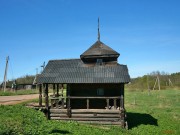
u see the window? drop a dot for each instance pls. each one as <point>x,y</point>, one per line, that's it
<point>100,91</point>
<point>99,61</point>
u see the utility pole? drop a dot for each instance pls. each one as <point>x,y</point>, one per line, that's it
<point>5,74</point>
<point>148,85</point>
<point>36,77</point>
<point>155,84</point>
<point>170,83</point>
<point>159,83</point>
<point>42,67</point>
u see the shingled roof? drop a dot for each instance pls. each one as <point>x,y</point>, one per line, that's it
<point>99,49</point>
<point>75,71</point>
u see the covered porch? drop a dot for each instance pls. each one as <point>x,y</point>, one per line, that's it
<point>59,106</point>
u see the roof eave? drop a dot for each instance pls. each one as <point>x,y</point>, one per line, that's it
<point>100,56</point>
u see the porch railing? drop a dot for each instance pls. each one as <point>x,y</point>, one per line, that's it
<point>55,100</point>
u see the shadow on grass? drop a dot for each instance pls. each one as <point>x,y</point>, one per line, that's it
<point>136,119</point>
<point>60,131</point>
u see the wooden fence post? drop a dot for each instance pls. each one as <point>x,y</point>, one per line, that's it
<point>46,101</point>
<point>40,94</point>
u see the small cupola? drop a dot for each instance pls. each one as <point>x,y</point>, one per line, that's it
<point>99,52</point>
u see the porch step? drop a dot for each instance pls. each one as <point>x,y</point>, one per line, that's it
<point>100,111</point>
<point>92,116</point>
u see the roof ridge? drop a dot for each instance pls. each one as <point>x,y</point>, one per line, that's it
<point>99,48</point>
<point>65,59</point>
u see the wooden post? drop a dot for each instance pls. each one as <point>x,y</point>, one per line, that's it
<point>62,89</point>
<point>40,94</point>
<point>122,102</point>
<point>69,108</point>
<point>107,101</point>
<point>122,110</point>
<point>53,90</point>
<point>57,90</point>
<point>115,104</point>
<point>62,103</point>
<point>68,102</point>
<point>57,101</point>
<point>122,96</point>
<point>46,101</point>
<point>52,101</point>
<point>87,103</point>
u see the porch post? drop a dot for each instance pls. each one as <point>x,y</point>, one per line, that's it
<point>87,103</point>
<point>107,102</point>
<point>46,101</point>
<point>40,94</point>
<point>53,90</point>
<point>115,104</point>
<point>68,101</point>
<point>122,110</point>
<point>57,90</point>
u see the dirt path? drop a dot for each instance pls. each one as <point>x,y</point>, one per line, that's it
<point>10,100</point>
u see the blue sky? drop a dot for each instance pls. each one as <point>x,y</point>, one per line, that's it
<point>145,32</point>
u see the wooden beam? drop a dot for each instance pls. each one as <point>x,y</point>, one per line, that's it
<point>122,96</point>
<point>122,101</point>
<point>86,115</point>
<point>62,100</point>
<point>115,103</point>
<point>87,105</point>
<point>69,108</point>
<point>40,94</point>
<point>76,97</point>
<point>86,111</point>
<point>107,102</point>
<point>46,96</point>
<point>46,101</point>
<point>68,102</point>
<point>54,87</point>
<point>57,90</point>
<point>91,119</point>
<point>91,122</point>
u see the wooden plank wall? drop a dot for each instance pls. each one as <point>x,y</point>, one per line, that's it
<point>93,116</point>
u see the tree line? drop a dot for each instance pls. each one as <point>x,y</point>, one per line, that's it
<point>27,79</point>
<point>149,81</point>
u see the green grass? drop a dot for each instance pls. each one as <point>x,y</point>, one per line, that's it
<point>21,92</point>
<point>18,119</point>
<point>18,92</point>
<point>157,113</point>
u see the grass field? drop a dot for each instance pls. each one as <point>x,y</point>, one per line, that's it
<point>157,113</point>
<point>18,92</point>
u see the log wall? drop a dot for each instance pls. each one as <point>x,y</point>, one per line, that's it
<point>93,116</point>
